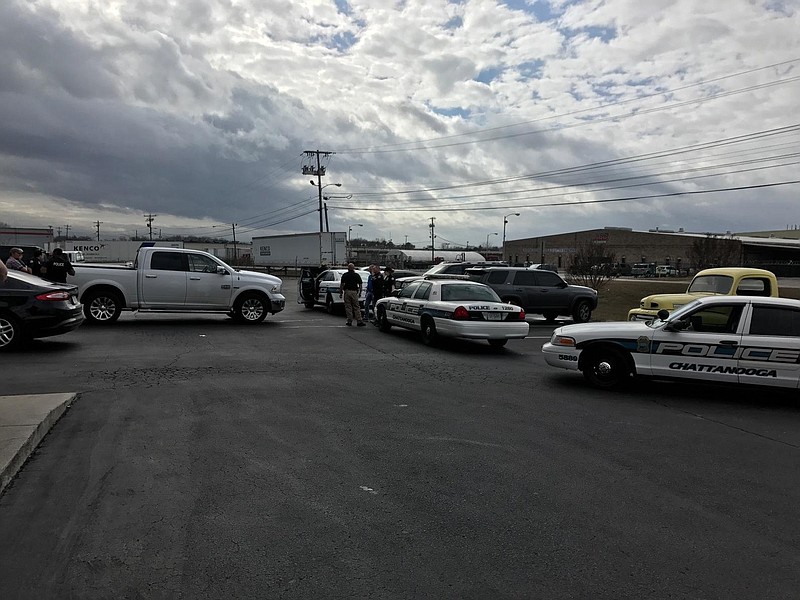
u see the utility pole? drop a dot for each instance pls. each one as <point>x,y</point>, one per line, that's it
<point>66,236</point>
<point>235,249</point>
<point>97,225</point>
<point>314,167</point>
<point>149,219</point>
<point>58,229</point>
<point>433,237</point>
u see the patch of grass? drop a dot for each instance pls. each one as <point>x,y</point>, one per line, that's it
<point>617,297</point>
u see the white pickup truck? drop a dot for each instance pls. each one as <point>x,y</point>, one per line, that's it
<point>176,280</point>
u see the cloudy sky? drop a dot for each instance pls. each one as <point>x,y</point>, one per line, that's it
<point>575,114</point>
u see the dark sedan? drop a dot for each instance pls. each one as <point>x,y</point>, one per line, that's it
<point>31,307</point>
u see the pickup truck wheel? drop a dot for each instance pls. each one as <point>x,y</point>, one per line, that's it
<point>250,308</point>
<point>606,368</point>
<point>10,332</point>
<point>383,322</point>
<point>101,307</point>
<point>582,312</point>
<point>429,335</point>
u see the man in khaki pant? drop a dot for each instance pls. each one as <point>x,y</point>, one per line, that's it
<point>350,288</point>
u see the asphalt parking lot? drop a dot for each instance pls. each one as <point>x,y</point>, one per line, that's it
<point>300,458</point>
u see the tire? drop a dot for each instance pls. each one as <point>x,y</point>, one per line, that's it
<point>428,333</point>
<point>11,333</point>
<point>383,322</point>
<point>550,316</point>
<point>329,306</point>
<point>497,343</point>
<point>308,304</point>
<point>606,368</point>
<point>250,308</point>
<point>101,307</point>
<point>582,312</point>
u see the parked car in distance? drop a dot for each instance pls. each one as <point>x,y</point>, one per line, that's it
<point>726,281</point>
<point>31,307</point>
<point>538,292</point>
<point>456,308</point>
<point>643,270</point>
<point>666,271</point>
<point>543,267</point>
<point>728,339</point>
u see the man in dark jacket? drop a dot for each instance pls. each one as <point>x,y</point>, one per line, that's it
<point>58,267</point>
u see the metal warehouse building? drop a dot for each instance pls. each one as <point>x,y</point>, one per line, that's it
<point>687,251</point>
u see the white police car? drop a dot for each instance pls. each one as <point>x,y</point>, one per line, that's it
<point>748,340</point>
<point>324,289</point>
<point>452,308</point>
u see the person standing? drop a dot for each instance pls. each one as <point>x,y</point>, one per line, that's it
<point>350,288</point>
<point>14,262</point>
<point>58,267</point>
<point>388,281</point>
<point>36,263</point>
<point>377,290</point>
<point>368,296</point>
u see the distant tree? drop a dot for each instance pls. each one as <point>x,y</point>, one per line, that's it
<point>714,251</point>
<point>591,266</point>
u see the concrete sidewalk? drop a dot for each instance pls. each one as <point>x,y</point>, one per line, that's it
<point>24,421</point>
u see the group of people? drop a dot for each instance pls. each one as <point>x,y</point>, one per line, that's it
<point>55,268</point>
<point>378,285</point>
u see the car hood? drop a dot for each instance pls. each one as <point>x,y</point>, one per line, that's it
<point>604,330</point>
<point>669,301</point>
<point>261,277</point>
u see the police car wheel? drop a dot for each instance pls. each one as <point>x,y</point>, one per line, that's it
<point>101,307</point>
<point>383,322</point>
<point>582,312</point>
<point>497,343</point>
<point>250,308</point>
<point>429,335</point>
<point>605,368</point>
<point>10,332</point>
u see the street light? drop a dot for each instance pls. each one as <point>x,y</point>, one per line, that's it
<point>319,189</point>
<point>487,238</point>
<point>505,222</point>
<point>350,237</point>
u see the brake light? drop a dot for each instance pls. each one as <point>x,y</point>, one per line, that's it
<point>53,296</point>
<point>461,313</point>
<point>521,315</point>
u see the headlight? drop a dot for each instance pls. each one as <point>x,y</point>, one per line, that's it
<point>562,340</point>
<point>276,289</point>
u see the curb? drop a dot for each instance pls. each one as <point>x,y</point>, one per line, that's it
<point>24,421</point>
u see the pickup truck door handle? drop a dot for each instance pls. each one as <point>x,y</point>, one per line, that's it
<point>150,276</point>
<point>728,343</point>
<point>194,278</point>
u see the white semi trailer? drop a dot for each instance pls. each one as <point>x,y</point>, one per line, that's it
<point>300,250</point>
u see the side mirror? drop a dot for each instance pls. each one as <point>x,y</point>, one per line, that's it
<point>221,270</point>
<point>663,314</point>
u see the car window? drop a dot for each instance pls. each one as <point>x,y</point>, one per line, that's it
<point>199,263</point>
<point>525,278</point>
<point>409,290</point>
<point>548,278</point>
<point>423,291</point>
<point>775,320</point>
<point>167,261</point>
<point>714,284</point>
<point>497,277</point>
<point>329,276</point>
<point>456,292</point>
<point>753,286</point>
<point>720,318</point>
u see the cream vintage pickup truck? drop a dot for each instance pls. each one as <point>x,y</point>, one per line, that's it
<point>176,280</point>
<point>722,281</point>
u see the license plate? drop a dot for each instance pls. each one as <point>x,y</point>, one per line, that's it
<point>493,316</point>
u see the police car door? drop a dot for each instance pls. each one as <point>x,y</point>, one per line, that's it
<point>706,349</point>
<point>771,346</point>
<point>397,307</point>
<point>417,303</point>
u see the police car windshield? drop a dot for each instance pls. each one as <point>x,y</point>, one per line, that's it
<point>711,284</point>
<point>459,291</point>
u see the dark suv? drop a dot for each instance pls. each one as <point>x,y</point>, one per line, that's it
<point>539,292</point>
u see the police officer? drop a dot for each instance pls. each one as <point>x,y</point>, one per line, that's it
<point>58,267</point>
